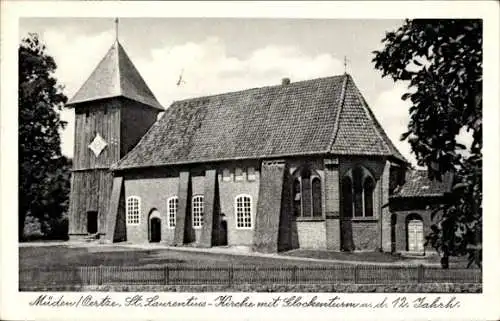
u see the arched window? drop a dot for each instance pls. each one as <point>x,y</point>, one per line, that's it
<point>197,211</point>
<point>357,193</point>
<point>368,188</point>
<point>172,204</point>
<point>297,204</point>
<point>133,210</point>
<point>357,178</point>
<point>307,193</point>
<point>316,197</point>
<point>243,211</point>
<point>346,196</point>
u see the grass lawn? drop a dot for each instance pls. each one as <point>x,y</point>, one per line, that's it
<point>348,256</point>
<point>61,256</point>
<point>362,257</point>
<point>65,256</point>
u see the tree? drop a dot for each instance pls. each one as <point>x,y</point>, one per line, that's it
<point>42,181</point>
<point>441,61</point>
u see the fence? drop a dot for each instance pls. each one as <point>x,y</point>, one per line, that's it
<point>230,275</point>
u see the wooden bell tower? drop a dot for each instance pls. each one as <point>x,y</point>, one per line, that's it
<point>113,109</point>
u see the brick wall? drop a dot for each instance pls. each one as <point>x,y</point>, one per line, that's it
<point>154,193</point>
<point>154,188</point>
<point>364,234</point>
<point>332,234</point>
<point>228,190</point>
<point>311,234</point>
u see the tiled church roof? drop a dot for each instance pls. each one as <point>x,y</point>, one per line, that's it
<point>318,116</point>
<point>115,76</point>
<point>417,184</point>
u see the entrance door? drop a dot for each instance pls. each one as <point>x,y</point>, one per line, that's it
<point>92,222</point>
<point>416,236</point>
<point>155,229</point>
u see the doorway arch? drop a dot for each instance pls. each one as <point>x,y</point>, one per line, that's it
<point>154,226</point>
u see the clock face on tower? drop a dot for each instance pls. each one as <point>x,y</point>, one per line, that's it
<point>97,145</point>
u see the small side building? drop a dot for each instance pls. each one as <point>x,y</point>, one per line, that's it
<point>412,205</point>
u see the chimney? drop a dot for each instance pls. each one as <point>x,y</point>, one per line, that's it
<point>285,81</point>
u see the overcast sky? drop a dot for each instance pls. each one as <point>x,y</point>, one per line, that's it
<point>220,55</point>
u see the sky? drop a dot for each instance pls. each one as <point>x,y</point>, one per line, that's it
<point>219,55</point>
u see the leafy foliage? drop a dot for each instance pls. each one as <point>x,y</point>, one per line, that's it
<point>441,60</point>
<point>43,171</point>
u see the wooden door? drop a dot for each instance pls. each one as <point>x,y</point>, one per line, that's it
<point>155,229</point>
<point>92,222</point>
<point>416,236</point>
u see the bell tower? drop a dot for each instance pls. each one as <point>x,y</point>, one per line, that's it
<point>113,109</point>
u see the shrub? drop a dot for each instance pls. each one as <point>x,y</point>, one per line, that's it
<point>32,229</point>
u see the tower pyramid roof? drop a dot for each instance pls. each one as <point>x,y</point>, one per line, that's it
<point>115,76</point>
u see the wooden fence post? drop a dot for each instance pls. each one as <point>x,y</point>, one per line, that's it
<point>356,274</point>
<point>230,275</point>
<point>294,274</point>
<point>420,274</point>
<point>166,274</point>
<point>99,275</point>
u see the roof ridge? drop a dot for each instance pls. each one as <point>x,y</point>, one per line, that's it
<point>295,83</point>
<point>391,148</point>
<point>337,118</point>
<point>118,71</point>
<point>370,116</point>
<point>84,84</point>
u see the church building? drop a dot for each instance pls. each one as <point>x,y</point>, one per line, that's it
<point>297,165</point>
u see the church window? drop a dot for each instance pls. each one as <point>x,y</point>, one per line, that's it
<point>347,196</point>
<point>226,175</point>
<point>297,204</point>
<point>368,188</point>
<point>357,193</point>
<point>316,197</point>
<point>172,204</point>
<point>251,174</point>
<point>197,211</point>
<point>357,178</point>
<point>243,210</point>
<point>307,193</point>
<point>133,210</point>
<point>238,175</point>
